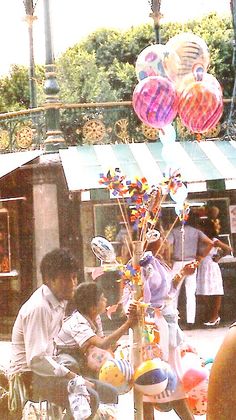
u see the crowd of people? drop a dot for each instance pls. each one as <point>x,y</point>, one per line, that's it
<point>52,354</point>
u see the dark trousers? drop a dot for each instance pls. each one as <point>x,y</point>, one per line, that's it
<point>107,393</point>
<point>54,389</point>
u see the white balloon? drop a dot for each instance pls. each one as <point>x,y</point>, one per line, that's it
<point>103,249</point>
<point>180,195</point>
<point>152,235</point>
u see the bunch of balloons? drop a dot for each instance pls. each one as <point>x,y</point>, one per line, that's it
<point>173,80</point>
<point>195,382</point>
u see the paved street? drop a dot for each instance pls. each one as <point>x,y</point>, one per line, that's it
<point>206,341</point>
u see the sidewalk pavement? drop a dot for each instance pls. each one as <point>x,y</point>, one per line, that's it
<point>206,342</point>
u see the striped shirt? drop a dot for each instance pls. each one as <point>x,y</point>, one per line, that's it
<point>76,330</point>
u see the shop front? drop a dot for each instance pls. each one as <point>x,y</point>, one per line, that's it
<point>207,168</point>
<point>55,199</point>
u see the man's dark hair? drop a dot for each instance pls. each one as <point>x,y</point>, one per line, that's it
<point>56,262</point>
<point>86,296</point>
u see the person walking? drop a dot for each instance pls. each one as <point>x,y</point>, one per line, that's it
<point>159,291</point>
<point>209,278</point>
<point>185,241</point>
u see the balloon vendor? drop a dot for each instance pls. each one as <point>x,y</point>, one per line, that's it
<point>158,293</point>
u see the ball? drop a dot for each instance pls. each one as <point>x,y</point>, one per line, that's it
<point>118,373</point>
<point>151,378</point>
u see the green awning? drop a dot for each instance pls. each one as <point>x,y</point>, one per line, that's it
<point>198,162</point>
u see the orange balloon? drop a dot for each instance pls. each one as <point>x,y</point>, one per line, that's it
<point>200,106</point>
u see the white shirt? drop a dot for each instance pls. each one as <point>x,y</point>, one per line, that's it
<point>76,330</point>
<point>37,324</point>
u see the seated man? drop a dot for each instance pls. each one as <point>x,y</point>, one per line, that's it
<point>37,324</point>
<point>82,331</point>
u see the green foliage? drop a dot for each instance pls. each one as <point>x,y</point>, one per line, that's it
<point>14,88</point>
<point>217,32</point>
<point>80,79</point>
<point>102,66</point>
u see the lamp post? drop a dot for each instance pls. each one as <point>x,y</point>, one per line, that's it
<point>156,15</point>
<point>54,139</point>
<point>30,18</point>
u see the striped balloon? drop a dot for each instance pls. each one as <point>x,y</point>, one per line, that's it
<point>118,373</point>
<point>155,101</point>
<point>200,106</point>
<point>192,50</point>
<point>125,367</point>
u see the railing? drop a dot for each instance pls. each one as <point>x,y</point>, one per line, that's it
<point>95,123</point>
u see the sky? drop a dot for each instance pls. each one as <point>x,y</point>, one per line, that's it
<point>72,20</point>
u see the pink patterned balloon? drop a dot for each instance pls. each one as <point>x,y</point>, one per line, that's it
<point>155,101</point>
<point>200,106</point>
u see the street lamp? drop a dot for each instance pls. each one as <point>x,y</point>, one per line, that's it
<point>30,18</point>
<point>156,15</point>
<point>54,139</point>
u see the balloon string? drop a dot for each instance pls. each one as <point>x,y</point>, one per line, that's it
<point>166,236</point>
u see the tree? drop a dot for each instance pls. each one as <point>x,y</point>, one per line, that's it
<point>14,88</point>
<point>113,55</point>
<point>80,79</point>
<point>102,67</point>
